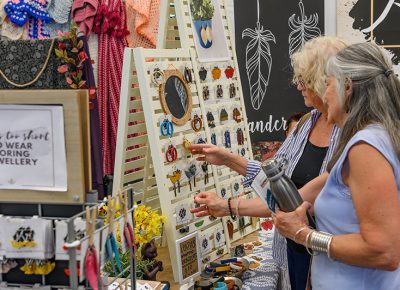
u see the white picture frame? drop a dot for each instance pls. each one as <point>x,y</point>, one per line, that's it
<point>32,148</point>
<point>194,260</point>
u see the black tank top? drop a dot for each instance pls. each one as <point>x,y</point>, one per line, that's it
<point>309,164</point>
<point>306,169</point>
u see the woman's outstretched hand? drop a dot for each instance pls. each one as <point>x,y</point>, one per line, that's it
<point>211,153</point>
<point>210,204</point>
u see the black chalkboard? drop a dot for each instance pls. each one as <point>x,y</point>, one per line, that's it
<point>176,97</point>
<point>281,99</point>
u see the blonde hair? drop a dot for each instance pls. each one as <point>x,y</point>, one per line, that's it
<point>309,62</point>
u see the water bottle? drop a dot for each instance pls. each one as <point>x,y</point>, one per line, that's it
<point>282,187</point>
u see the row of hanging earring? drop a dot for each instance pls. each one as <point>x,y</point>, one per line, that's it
<point>219,92</point>
<point>216,73</point>
<point>223,117</point>
<point>157,76</point>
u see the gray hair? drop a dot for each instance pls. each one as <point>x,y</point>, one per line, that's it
<point>375,94</point>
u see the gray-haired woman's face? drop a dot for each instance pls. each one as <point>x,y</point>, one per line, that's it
<point>331,99</point>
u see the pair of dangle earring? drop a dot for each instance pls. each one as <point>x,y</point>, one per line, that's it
<point>175,179</point>
<point>171,154</point>
<point>167,128</point>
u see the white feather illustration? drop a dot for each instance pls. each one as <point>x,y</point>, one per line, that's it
<point>258,60</point>
<point>303,29</point>
<point>180,89</point>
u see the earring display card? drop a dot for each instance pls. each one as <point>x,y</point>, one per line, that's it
<point>31,238</point>
<point>206,244</point>
<point>62,237</point>
<point>183,214</point>
<point>219,236</point>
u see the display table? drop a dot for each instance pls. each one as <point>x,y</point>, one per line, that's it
<point>264,277</point>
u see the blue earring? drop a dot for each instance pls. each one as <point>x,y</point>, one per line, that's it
<point>213,139</point>
<point>167,128</point>
<point>201,141</point>
<point>227,136</point>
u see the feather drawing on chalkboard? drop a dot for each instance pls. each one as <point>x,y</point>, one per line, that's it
<point>258,60</point>
<point>303,29</point>
<point>180,89</point>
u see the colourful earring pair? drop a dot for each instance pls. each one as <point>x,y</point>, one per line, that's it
<point>167,128</point>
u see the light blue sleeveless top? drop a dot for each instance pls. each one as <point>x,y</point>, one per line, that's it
<point>335,213</point>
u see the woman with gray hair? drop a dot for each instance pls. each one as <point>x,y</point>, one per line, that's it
<point>356,243</point>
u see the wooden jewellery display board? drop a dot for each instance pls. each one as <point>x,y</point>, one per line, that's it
<point>178,177</point>
<point>175,30</point>
<point>77,144</point>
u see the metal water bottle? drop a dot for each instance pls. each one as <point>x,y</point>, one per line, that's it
<point>282,187</point>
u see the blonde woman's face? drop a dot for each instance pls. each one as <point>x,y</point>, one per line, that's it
<point>311,99</point>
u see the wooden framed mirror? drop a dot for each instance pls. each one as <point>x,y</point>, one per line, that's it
<point>176,97</point>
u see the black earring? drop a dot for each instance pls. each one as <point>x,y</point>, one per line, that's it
<point>206,93</point>
<point>188,75</point>
<point>232,91</point>
<point>203,73</point>
<point>210,120</point>
<point>220,92</point>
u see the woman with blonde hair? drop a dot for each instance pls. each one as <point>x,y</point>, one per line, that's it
<point>307,149</point>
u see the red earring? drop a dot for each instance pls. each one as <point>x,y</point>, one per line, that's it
<point>171,154</point>
<point>229,71</point>
<point>197,123</point>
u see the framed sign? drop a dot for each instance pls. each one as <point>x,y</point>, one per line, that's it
<point>208,30</point>
<point>45,147</point>
<point>189,257</point>
<point>32,148</point>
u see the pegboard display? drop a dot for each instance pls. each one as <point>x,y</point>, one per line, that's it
<point>179,176</point>
<point>221,96</point>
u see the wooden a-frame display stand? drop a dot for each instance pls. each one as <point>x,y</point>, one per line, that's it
<point>140,160</point>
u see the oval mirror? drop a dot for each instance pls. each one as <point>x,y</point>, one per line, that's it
<point>176,97</point>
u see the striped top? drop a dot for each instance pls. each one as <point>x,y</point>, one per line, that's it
<point>292,149</point>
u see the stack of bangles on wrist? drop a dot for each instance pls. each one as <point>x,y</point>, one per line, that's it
<point>237,205</point>
<point>316,240</point>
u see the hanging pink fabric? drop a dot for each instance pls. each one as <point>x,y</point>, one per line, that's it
<point>142,20</point>
<point>110,24</point>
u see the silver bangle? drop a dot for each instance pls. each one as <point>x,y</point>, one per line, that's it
<point>329,248</point>
<point>298,232</point>
<point>320,242</point>
<point>307,245</point>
